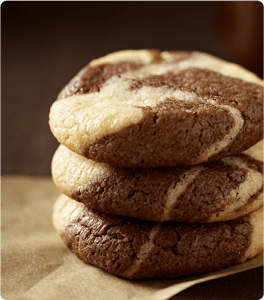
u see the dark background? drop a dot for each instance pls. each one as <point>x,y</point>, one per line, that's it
<point>44,44</point>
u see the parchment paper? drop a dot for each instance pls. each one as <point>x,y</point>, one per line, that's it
<point>37,265</point>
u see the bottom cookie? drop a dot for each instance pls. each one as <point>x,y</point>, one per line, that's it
<point>133,248</point>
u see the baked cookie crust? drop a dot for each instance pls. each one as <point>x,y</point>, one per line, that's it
<point>132,248</point>
<point>147,108</point>
<point>208,192</point>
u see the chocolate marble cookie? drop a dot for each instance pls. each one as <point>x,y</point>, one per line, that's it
<point>133,248</point>
<point>208,192</point>
<point>146,108</point>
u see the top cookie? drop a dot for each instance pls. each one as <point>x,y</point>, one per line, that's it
<point>146,108</point>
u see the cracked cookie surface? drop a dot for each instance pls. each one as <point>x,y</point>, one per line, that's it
<point>133,248</point>
<point>209,192</point>
<point>146,108</point>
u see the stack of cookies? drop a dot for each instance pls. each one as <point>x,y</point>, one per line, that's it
<point>160,163</point>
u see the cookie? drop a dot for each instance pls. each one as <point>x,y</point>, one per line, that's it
<point>146,108</point>
<point>133,248</point>
<point>209,192</point>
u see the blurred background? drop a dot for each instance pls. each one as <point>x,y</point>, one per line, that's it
<point>44,44</point>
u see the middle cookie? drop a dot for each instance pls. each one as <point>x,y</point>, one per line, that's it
<point>209,192</point>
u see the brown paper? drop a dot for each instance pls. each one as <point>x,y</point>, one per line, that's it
<point>37,265</point>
